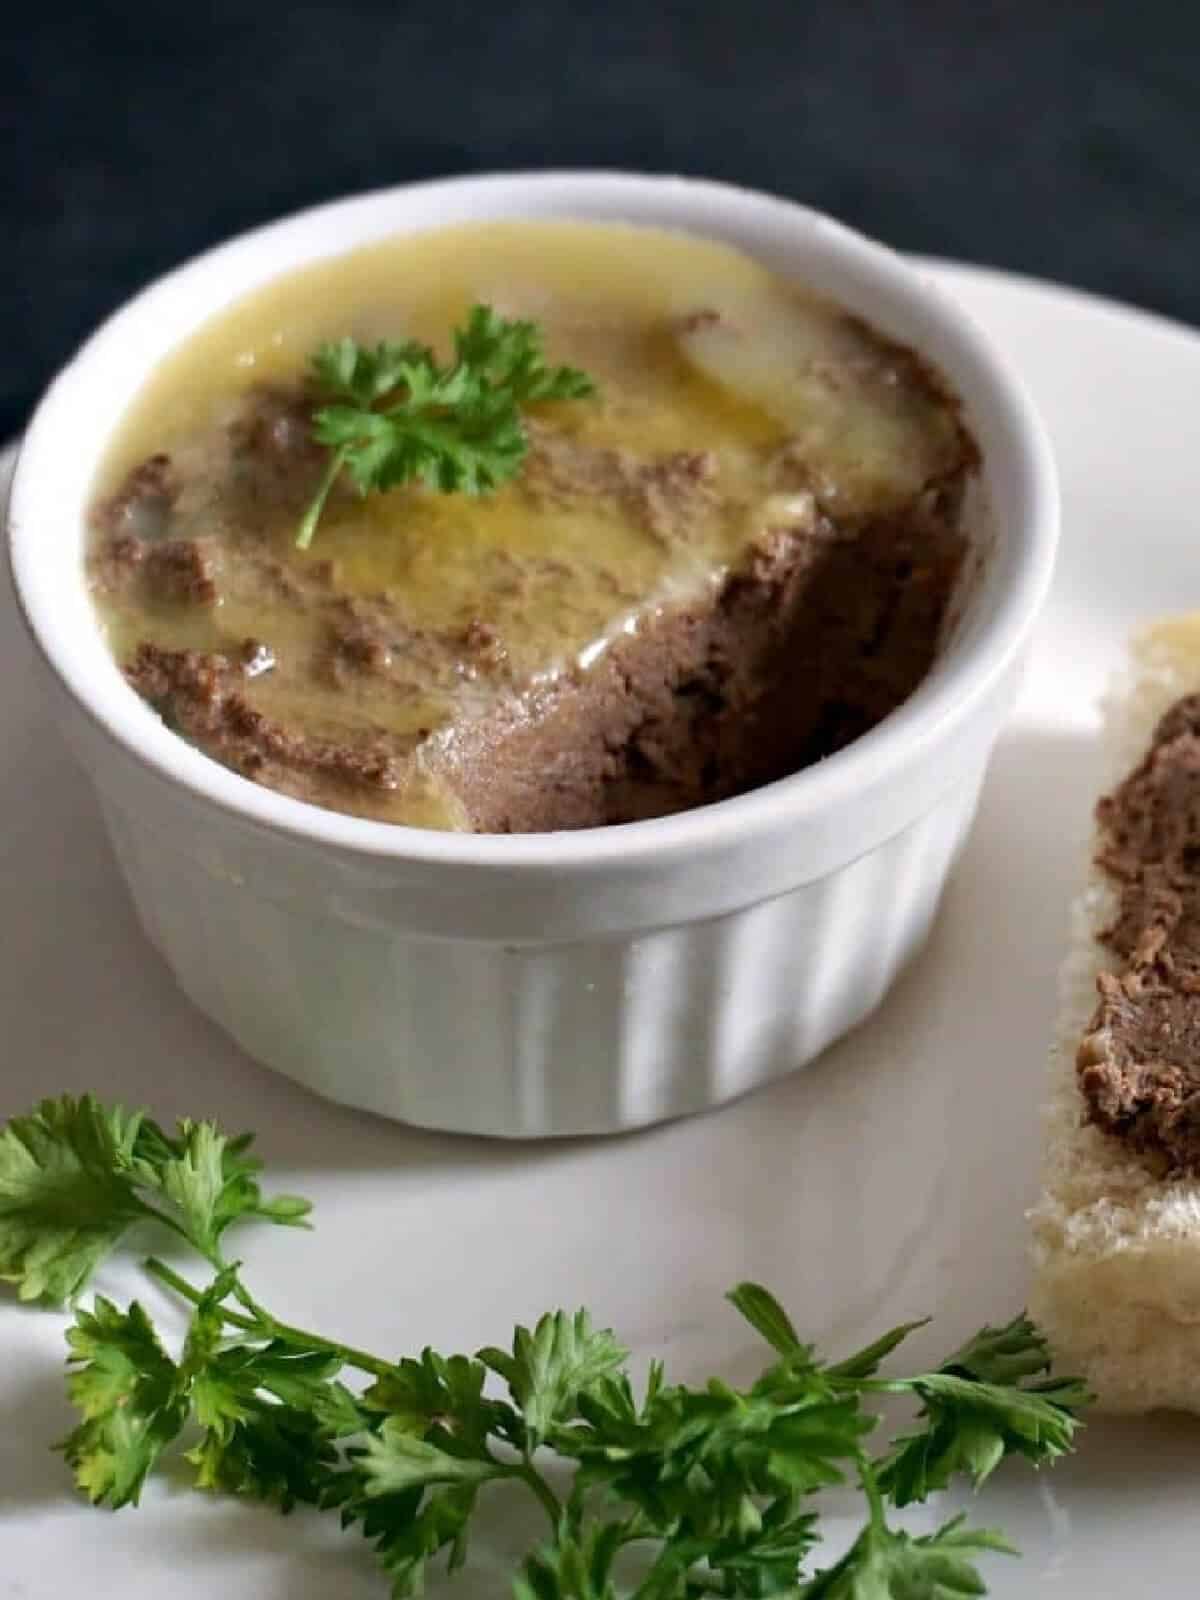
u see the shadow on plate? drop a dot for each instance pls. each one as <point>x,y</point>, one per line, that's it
<point>34,1415</point>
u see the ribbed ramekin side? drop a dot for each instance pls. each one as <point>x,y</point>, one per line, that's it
<point>526,1041</point>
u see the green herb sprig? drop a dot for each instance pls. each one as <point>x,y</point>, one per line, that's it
<point>393,415</point>
<point>662,1492</point>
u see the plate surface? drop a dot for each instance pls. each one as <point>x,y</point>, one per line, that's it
<point>884,1182</point>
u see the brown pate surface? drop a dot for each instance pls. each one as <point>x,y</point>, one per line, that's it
<point>1138,1064</point>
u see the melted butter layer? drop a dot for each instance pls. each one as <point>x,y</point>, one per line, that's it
<point>696,350</point>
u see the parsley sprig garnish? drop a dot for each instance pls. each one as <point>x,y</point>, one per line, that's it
<point>661,1491</point>
<point>393,415</point>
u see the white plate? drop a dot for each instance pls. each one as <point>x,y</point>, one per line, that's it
<point>884,1182</point>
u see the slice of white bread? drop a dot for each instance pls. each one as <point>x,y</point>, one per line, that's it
<point>1116,1246</point>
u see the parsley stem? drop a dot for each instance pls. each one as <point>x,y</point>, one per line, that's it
<point>551,1504</point>
<point>876,1385</point>
<point>312,1341</point>
<point>308,524</point>
<point>870,1488</point>
<point>266,1325</point>
<point>173,1280</point>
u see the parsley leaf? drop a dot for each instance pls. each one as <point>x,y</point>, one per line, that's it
<point>758,1552</point>
<point>209,1181</point>
<point>1002,1355</point>
<point>977,1409</point>
<point>719,1477</point>
<point>280,1454</point>
<point>575,1566</point>
<point>413,1498</point>
<point>764,1313</point>
<point>128,1391</point>
<point>271,1412</point>
<point>393,415</point>
<point>441,1397</point>
<point>350,372</point>
<point>409,1528</point>
<point>67,1194</point>
<point>865,1362</point>
<point>76,1175</point>
<point>552,1367</point>
<point>883,1564</point>
<point>692,1456</point>
<point>510,354</point>
<point>395,1459</point>
<point>413,1483</point>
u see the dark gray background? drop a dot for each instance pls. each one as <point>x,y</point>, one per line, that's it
<point>1059,138</point>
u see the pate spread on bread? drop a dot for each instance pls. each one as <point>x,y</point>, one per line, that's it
<point>1116,1230</point>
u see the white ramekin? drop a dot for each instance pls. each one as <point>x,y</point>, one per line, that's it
<point>545,983</point>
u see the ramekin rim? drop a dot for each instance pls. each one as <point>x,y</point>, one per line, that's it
<point>967,670</point>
